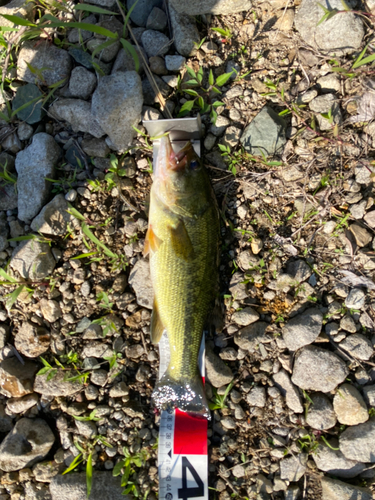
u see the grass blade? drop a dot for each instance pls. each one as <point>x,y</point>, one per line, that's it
<point>130,48</point>
<point>89,475</point>
<point>18,20</point>
<point>94,8</point>
<point>74,464</point>
<point>94,239</point>
<point>364,61</point>
<point>12,297</point>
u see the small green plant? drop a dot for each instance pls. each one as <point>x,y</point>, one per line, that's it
<point>89,418</point>
<point>203,98</point>
<point>225,32</point>
<point>127,468</point>
<point>104,302</point>
<point>218,401</point>
<point>86,452</point>
<point>308,443</point>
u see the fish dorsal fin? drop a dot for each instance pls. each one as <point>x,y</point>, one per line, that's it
<point>156,326</point>
<point>152,242</point>
<point>180,240</point>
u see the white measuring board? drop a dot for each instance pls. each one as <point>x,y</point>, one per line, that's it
<point>182,452</point>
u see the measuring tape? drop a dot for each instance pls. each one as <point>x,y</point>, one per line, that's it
<point>182,452</point>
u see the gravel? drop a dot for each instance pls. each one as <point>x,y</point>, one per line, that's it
<point>289,391</point>
<point>358,443</point>
<point>320,414</point>
<point>77,113</point>
<point>184,31</point>
<point>73,487</point>
<point>218,374</point>
<point>334,462</point>
<point>302,330</point>
<point>32,259</point>
<point>332,489</point>
<point>16,379</point>
<point>293,468</point>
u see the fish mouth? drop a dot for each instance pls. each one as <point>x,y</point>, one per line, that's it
<point>169,161</point>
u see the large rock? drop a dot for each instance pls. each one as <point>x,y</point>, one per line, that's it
<point>33,260</point>
<point>265,134</point>
<point>28,443</point>
<point>217,7</point>
<point>320,415</point>
<point>77,113</point>
<point>140,280</point>
<point>57,385</point>
<point>332,489</point>
<point>16,379</point>
<point>117,106</point>
<point>32,340</point>
<point>155,43</point>
<point>185,32</point>
<point>349,406</point>
<point>217,372</point>
<point>358,442</point>
<point>318,370</point>
<point>341,34</point>
<point>289,391</point>
<point>55,64</point>
<point>303,329</point>
<point>293,468</point>
<point>333,461</point>
<point>20,8</point>
<point>54,218</point>
<point>358,346</point>
<point>33,165</point>
<point>73,487</point>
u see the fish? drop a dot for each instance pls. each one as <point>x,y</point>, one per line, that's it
<point>182,242</point>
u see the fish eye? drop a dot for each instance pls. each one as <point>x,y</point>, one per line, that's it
<point>193,164</point>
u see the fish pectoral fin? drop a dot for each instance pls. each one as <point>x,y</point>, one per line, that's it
<point>152,242</point>
<point>156,326</point>
<point>180,240</point>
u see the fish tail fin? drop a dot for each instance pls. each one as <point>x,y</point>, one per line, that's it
<point>187,394</point>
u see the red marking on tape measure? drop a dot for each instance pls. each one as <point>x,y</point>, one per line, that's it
<point>190,434</point>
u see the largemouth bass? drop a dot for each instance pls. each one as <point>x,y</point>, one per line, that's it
<point>182,241</point>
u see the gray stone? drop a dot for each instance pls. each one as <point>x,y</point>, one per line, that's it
<point>358,210</point>
<point>299,270</point>
<point>347,323</point>
<point>77,35</point>
<point>6,423</point>
<point>28,443</point>
<point>125,61</point>
<point>303,329</point>
<point>53,218</point>
<point>219,127</point>
<point>20,8</point>
<point>318,370</point>
<point>175,63</point>
<point>9,198</point>
<point>157,20</point>
<point>293,468</point>
<point>358,346</point>
<point>73,487</point>
<point>33,165</point>
<point>289,391</point>
<point>356,299</point>
<point>369,218</point>
<point>369,393</point>
<point>77,113</point>
<point>16,379</point>
<point>32,340</point>
<point>4,334</point>
<point>4,233</point>
<point>86,429</point>
<point>142,10</point>
<point>349,406</point>
<point>148,92</point>
<point>358,442</point>
<point>257,397</point>
<point>217,372</point>
<point>32,113</point>
<point>185,32</point>
<point>341,34</point>
<point>20,405</point>
<point>155,43</point>
<point>107,4</point>
<point>361,235</point>
<point>333,461</point>
<point>50,310</point>
<point>245,317</point>
<point>251,336</point>
<point>140,280</point>
<point>247,260</point>
<point>231,136</point>
<point>117,116</point>
<point>43,55</point>
<point>24,131</point>
<point>95,147</point>
<point>57,385</point>
<point>82,83</point>
<point>265,133</point>
<point>328,83</point>
<point>325,104</point>
<point>332,489</point>
<point>320,414</point>
<point>237,287</point>
<point>217,7</point>
<point>32,260</point>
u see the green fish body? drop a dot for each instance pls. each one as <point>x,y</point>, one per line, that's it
<point>182,241</point>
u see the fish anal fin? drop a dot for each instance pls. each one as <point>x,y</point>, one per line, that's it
<point>180,240</point>
<point>152,242</point>
<point>156,326</point>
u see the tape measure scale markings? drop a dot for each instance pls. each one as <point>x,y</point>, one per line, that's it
<point>182,453</point>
